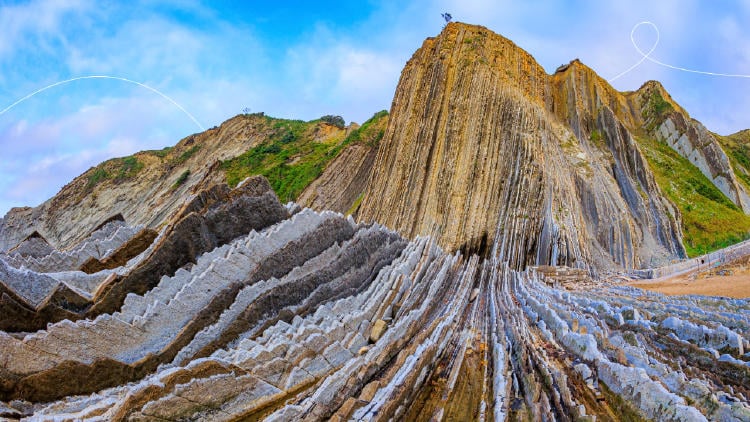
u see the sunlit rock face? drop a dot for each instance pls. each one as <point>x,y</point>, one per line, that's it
<point>484,148</point>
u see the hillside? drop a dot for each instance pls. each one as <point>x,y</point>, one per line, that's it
<point>147,187</point>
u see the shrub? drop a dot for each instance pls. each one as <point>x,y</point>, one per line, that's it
<point>97,176</point>
<point>161,153</point>
<point>129,167</point>
<point>337,121</point>
<point>271,149</point>
<point>288,137</point>
<point>365,132</point>
<point>182,179</point>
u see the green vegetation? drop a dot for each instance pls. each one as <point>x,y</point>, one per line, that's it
<point>621,407</point>
<point>355,205</point>
<point>710,220</point>
<point>655,109</point>
<point>737,147</point>
<point>371,131</point>
<point>630,338</point>
<point>181,180</point>
<point>291,159</point>
<point>597,138</point>
<point>569,143</point>
<point>129,167</point>
<point>657,105</point>
<point>337,121</point>
<point>161,153</point>
<point>187,154</point>
<point>97,176</point>
<point>117,170</point>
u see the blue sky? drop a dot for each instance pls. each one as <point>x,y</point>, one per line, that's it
<point>301,59</point>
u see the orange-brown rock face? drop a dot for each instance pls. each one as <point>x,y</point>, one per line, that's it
<point>487,153</point>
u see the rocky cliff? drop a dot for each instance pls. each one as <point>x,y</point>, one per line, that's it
<point>342,184</point>
<point>483,148</point>
<point>487,153</point>
<point>211,218</point>
<point>317,317</point>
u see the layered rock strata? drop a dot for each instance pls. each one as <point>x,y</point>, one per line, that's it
<point>99,245</point>
<point>342,182</point>
<point>240,308</point>
<point>209,219</point>
<point>694,142</point>
<point>320,318</point>
<point>483,147</point>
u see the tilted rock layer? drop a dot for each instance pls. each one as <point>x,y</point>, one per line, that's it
<point>484,148</point>
<point>319,318</point>
<point>211,218</point>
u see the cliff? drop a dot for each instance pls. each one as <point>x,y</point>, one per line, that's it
<point>483,150</point>
<point>487,153</point>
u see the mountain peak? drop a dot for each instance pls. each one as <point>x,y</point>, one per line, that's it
<point>652,88</point>
<point>482,142</point>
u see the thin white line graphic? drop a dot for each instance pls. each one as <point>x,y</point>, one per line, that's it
<point>154,90</point>
<point>647,56</point>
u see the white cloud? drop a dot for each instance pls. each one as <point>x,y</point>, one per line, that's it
<point>40,17</point>
<point>46,155</point>
<point>351,81</point>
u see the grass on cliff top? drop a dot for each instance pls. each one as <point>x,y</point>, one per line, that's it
<point>710,220</point>
<point>654,109</point>
<point>291,159</point>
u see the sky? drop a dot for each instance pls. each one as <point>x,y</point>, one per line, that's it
<point>303,60</point>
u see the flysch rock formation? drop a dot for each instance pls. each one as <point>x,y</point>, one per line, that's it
<point>694,142</point>
<point>342,184</point>
<point>483,147</point>
<point>49,289</point>
<point>342,181</point>
<point>317,317</point>
<point>37,255</point>
<point>503,190</point>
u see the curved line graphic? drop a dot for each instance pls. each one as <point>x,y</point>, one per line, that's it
<point>117,78</point>
<point>647,56</point>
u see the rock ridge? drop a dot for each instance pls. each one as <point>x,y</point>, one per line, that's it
<point>481,149</point>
